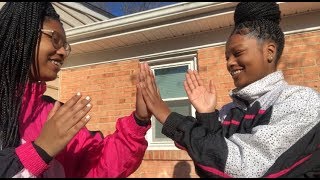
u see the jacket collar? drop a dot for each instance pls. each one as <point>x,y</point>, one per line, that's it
<point>245,96</point>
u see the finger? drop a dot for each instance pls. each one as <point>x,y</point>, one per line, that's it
<point>199,80</point>
<point>139,97</point>
<point>142,83</point>
<point>67,119</point>
<point>140,78</point>
<point>80,104</point>
<point>55,108</point>
<point>212,87</point>
<point>78,116</point>
<point>145,95</point>
<point>141,107</point>
<point>78,126</point>
<point>138,93</point>
<point>186,88</point>
<point>194,79</point>
<point>69,104</point>
<point>150,76</point>
<point>189,81</point>
<point>142,72</point>
<point>79,111</point>
<point>151,88</point>
<point>145,68</point>
<point>153,80</point>
<point>158,92</point>
<point>147,86</point>
<point>142,67</point>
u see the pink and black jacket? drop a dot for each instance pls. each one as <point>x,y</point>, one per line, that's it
<point>87,155</point>
<point>271,129</point>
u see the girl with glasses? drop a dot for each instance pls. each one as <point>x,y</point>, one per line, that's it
<point>39,136</point>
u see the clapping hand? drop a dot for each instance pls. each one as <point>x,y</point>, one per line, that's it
<point>203,100</point>
<point>63,123</point>
<point>142,112</point>
<point>151,94</point>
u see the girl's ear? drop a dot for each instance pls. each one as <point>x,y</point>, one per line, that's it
<point>270,52</point>
<point>271,47</point>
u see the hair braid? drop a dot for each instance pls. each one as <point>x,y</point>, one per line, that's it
<point>19,30</point>
<point>261,20</point>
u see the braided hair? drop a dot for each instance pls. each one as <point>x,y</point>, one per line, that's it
<point>20,24</point>
<point>260,20</point>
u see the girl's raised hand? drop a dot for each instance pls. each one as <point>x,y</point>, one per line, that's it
<point>151,94</point>
<point>63,124</point>
<point>203,100</point>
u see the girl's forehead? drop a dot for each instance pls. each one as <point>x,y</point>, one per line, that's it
<point>54,25</point>
<point>235,39</point>
<point>240,39</point>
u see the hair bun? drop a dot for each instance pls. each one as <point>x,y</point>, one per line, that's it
<point>250,11</point>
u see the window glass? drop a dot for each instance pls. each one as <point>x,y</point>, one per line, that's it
<point>180,106</point>
<point>169,78</point>
<point>170,81</point>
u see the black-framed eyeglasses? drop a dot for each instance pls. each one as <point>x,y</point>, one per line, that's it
<point>57,40</point>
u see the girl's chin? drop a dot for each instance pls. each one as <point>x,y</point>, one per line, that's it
<point>238,84</point>
<point>45,78</point>
<point>49,78</point>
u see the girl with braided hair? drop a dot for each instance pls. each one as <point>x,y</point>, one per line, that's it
<point>270,129</point>
<point>40,137</point>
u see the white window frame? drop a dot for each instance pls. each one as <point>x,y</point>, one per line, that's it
<point>175,62</point>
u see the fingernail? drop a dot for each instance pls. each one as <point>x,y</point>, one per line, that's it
<point>88,117</point>
<point>88,98</point>
<point>78,93</point>
<point>88,105</point>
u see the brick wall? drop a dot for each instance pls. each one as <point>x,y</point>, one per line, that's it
<point>300,63</point>
<point>112,89</point>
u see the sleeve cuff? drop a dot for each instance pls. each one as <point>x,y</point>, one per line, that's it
<point>30,159</point>
<point>171,124</point>
<point>141,122</point>
<point>133,126</point>
<point>42,153</point>
<point>205,116</point>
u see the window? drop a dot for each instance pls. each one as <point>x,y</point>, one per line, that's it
<point>169,78</point>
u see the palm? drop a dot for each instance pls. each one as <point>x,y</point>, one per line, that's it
<point>202,100</point>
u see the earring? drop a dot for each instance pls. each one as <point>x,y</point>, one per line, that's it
<point>270,59</point>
